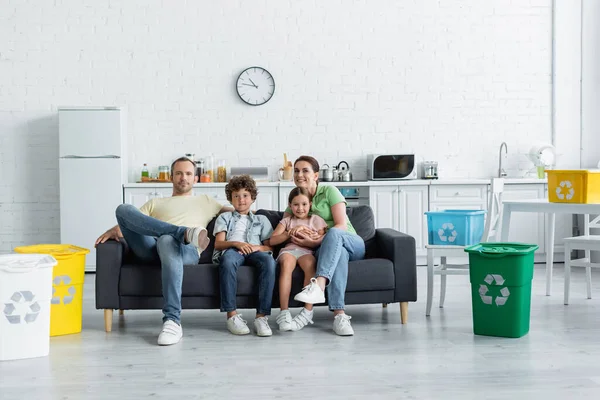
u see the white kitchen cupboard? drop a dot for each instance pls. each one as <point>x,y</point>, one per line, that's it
<point>458,197</point>
<point>140,195</point>
<point>267,196</point>
<point>402,208</point>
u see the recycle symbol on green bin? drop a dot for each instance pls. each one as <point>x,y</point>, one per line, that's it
<point>493,280</point>
<point>66,298</point>
<point>21,308</point>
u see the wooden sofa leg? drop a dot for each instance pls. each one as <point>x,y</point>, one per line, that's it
<point>404,312</point>
<point>108,315</point>
<point>384,305</point>
<point>121,312</point>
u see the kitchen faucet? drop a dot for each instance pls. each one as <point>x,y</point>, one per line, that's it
<point>501,171</point>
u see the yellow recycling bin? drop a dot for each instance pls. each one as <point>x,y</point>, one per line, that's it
<point>67,285</point>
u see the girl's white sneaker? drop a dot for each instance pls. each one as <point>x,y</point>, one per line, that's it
<point>284,320</point>
<point>302,319</point>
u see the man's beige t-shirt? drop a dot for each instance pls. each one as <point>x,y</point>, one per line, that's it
<point>188,211</point>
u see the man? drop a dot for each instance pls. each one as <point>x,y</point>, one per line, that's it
<point>170,230</point>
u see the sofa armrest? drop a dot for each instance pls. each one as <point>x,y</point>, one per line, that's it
<point>400,248</point>
<point>109,258</point>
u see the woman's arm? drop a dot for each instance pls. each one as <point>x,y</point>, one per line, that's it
<point>279,235</point>
<point>338,211</point>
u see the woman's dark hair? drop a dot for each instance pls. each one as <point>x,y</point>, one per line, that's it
<point>241,182</point>
<point>311,160</point>
<point>183,159</point>
<point>297,191</point>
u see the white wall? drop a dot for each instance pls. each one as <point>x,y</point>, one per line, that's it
<point>590,84</point>
<point>449,80</point>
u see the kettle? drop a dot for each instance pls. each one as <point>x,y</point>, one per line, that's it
<point>344,174</point>
<point>326,174</point>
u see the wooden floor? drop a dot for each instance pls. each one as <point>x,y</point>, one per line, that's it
<point>429,358</point>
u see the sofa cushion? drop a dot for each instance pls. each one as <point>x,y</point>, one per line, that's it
<point>370,274</point>
<point>198,280</point>
<point>363,221</point>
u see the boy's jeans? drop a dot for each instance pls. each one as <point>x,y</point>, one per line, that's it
<point>229,263</point>
<point>153,240</point>
<point>337,249</point>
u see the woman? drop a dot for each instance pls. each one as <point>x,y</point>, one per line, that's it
<point>340,245</point>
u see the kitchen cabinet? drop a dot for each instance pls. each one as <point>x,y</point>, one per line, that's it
<point>267,196</point>
<point>458,197</point>
<point>402,208</point>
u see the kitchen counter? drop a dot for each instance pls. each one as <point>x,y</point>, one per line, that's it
<point>409,182</point>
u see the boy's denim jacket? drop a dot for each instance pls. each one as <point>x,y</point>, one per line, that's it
<point>259,229</point>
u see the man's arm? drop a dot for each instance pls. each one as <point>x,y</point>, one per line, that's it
<point>113,233</point>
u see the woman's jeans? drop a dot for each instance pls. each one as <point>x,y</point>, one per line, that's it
<point>229,263</point>
<point>153,240</point>
<point>337,249</point>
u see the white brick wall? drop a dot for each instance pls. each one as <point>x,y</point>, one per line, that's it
<point>448,79</point>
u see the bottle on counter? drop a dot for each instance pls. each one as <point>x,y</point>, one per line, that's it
<point>221,171</point>
<point>145,173</point>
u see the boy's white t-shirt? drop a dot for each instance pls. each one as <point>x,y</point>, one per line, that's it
<point>239,233</point>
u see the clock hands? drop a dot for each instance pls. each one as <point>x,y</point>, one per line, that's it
<point>247,84</point>
<point>253,83</point>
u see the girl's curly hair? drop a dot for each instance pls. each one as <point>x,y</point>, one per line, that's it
<point>241,182</point>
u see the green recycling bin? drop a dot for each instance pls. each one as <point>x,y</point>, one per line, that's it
<point>501,275</point>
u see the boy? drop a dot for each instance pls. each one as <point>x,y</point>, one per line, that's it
<point>241,238</point>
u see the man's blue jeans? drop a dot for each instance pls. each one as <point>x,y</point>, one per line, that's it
<point>337,249</point>
<point>153,240</point>
<point>229,263</point>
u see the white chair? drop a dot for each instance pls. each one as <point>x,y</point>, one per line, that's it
<point>585,242</point>
<point>491,233</point>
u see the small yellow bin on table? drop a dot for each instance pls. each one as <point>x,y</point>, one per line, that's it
<point>574,186</point>
<point>66,305</point>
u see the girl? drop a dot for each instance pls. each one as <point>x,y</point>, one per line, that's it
<point>299,225</point>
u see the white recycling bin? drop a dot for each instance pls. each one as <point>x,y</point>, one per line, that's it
<point>25,294</point>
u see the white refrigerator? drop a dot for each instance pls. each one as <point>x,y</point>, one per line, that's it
<point>93,169</point>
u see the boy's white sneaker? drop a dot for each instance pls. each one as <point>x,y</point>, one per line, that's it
<point>311,293</point>
<point>284,320</point>
<point>171,333</point>
<point>237,325</point>
<point>341,325</point>
<point>302,319</point>
<point>261,324</point>
<point>198,237</point>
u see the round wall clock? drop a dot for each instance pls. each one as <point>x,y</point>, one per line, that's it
<point>255,86</point>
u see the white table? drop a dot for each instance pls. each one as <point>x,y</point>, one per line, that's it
<point>544,206</point>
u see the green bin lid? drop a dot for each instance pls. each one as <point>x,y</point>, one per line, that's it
<point>502,249</point>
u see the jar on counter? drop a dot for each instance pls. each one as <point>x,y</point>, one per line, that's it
<point>164,173</point>
<point>221,171</point>
<point>199,168</point>
<point>209,165</point>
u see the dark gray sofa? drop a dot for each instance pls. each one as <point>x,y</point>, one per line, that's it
<point>388,274</point>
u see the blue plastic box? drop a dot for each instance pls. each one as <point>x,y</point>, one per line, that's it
<point>455,227</point>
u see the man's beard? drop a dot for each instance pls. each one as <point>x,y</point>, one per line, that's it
<point>182,189</point>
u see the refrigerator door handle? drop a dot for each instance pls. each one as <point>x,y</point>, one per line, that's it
<point>75,157</point>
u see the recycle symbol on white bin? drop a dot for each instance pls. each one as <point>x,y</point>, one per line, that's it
<point>66,299</point>
<point>21,308</point>
<point>494,280</point>
<point>447,233</point>
<point>569,189</point>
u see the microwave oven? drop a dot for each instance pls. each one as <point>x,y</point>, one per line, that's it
<point>391,166</point>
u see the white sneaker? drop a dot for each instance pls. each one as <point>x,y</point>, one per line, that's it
<point>284,320</point>
<point>261,324</point>
<point>302,319</point>
<point>311,293</point>
<point>171,333</point>
<point>237,325</point>
<point>198,237</point>
<point>341,325</point>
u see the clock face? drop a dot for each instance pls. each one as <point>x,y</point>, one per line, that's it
<point>255,86</point>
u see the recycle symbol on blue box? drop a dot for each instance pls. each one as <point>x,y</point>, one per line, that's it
<point>447,233</point>
<point>22,308</point>
<point>66,298</point>
<point>494,280</point>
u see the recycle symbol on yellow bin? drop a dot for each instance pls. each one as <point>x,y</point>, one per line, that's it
<point>565,186</point>
<point>21,308</point>
<point>494,280</point>
<point>66,298</point>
